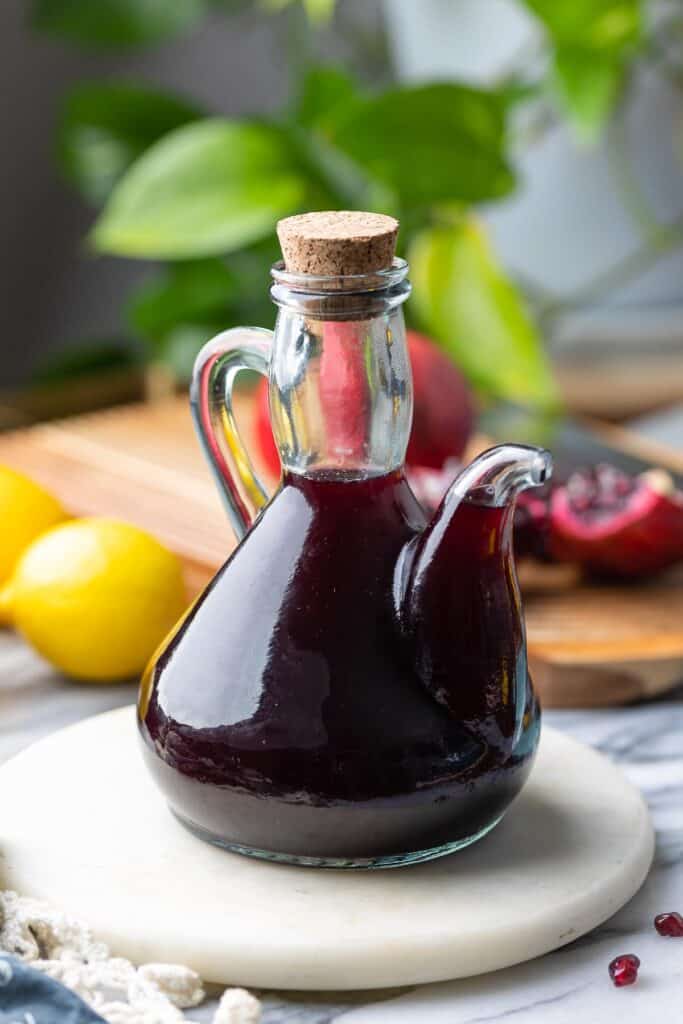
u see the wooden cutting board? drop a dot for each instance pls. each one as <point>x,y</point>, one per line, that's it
<point>589,645</point>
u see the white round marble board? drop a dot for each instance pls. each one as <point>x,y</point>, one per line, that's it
<point>83,827</point>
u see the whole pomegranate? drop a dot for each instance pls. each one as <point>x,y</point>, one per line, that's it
<point>443,409</point>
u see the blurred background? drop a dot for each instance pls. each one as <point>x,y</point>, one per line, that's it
<point>533,151</point>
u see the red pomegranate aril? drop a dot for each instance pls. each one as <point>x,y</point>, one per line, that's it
<point>670,924</point>
<point>623,970</point>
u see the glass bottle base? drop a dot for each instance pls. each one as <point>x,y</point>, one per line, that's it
<point>354,863</point>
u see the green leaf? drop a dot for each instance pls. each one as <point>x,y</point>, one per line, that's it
<point>207,188</point>
<point>202,291</point>
<point>178,311</point>
<point>465,301</point>
<point>341,183</point>
<point>593,24</point>
<point>115,23</point>
<point>250,268</point>
<point>105,127</point>
<point>427,144</point>
<point>593,42</point>
<point>318,11</point>
<point>587,88</point>
<point>323,89</point>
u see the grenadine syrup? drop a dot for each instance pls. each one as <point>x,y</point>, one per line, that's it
<point>291,715</point>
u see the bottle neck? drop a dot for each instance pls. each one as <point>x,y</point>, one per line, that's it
<point>340,380</point>
<point>340,394</point>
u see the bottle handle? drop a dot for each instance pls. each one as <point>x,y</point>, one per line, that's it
<point>213,379</point>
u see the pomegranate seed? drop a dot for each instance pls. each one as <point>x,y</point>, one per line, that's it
<point>624,969</point>
<point>670,924</point>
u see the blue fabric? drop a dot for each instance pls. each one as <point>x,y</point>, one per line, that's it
<point>29,997</point>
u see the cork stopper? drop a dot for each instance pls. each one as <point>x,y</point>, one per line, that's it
<point>338,242</point>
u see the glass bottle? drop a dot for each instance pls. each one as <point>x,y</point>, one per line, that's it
<point>351,690</point>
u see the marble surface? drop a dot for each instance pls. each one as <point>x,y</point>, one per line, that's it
<point>570,984</point>
<point>576,846</point>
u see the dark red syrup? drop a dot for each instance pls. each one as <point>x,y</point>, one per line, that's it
<point>296,717</point>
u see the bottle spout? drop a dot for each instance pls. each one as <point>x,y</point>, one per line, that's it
<point>497,476</point>
<point>457,603</point>
<point>493,480</point>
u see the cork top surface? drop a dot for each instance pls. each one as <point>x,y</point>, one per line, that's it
<point>337,242</point>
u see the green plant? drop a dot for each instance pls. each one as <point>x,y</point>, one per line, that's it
<point>203,192</point>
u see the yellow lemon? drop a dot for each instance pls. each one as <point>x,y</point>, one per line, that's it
<point>96,597</point>
<point>26,511</point>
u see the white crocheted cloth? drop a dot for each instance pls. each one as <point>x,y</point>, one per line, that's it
<point>64,948</point>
